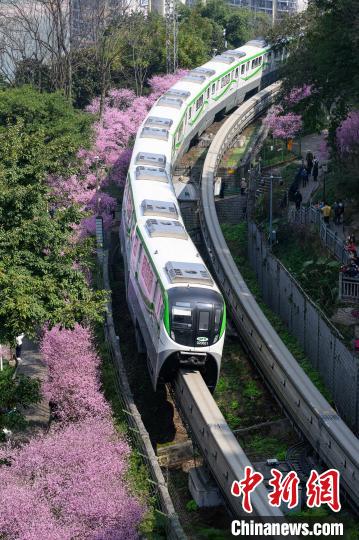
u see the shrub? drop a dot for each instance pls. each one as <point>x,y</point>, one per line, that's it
<point>73,385</point>
<point>68,484</point>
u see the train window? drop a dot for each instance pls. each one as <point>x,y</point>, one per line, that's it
<point>254,63</point>
<point>236,73</point>
<point>247,66</point>
<point>225,80</point>
<point>260,60</point>
<point>213,88</point>
<point>189,113</point>
<point>217,319</point>
<point>207,93</point>
<point>199,102</point>
<point>203,324</point>
<point>182,317</point>
<point>242,69</point>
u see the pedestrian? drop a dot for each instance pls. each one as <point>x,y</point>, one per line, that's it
<point>315,170</point>
<point>243,186</point>
<point>341,211</point>
<point>309,167</point>
<point>304,176</point>
<point>326,211</point>
<point>336,211</point>
<point>298,199</point>
<point>18,348</point>
<point>221,191</point>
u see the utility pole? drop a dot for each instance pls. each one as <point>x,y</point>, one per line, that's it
<point>171,16</point>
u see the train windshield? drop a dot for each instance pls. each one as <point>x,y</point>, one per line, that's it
<point>196,316</point>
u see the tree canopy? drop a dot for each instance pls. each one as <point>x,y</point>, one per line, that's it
<point>323,47</point>
<point>40,278</point>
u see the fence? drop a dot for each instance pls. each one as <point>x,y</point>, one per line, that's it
<point>312,216</point>
<point>137,430</point>
<point>319,339</point>
<point>348,287</point>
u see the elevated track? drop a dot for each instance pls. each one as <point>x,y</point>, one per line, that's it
<point>320,424</point>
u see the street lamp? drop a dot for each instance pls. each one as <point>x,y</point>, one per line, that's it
<point>271,178</point>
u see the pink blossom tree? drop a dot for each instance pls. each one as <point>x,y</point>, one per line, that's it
<point>73,384</point>
<point>299,93</point>
<point>68,484</point>
<point>283,126</point>
<point>347,134</point>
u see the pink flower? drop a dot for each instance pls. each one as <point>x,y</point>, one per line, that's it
<point>69,484</point>
<point>298,93</point>
<point>347,134</point>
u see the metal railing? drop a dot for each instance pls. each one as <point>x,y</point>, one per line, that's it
<point>348,288</point>
<point>330,239</point>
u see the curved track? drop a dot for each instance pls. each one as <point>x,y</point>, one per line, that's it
<point>336,445</point>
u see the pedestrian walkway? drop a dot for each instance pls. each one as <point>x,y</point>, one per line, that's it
<point>32,365</point>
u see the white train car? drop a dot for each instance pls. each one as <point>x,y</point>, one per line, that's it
<point>176,306</point>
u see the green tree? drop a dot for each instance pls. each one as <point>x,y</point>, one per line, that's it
<point>40,275</point>
<point>322,45</point>
<point>63,129</point>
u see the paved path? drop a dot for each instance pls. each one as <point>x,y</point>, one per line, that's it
<point>32,365</point>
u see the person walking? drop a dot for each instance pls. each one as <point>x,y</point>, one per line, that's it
<point>309,166</point>
<point>243,186</point>
<point>304,176</point>
<point>18,348</point>
<point>315,170</point>
<point>326,211</point>
<point>336,211</point>
<point>298,199</point>
<point>341,211</point>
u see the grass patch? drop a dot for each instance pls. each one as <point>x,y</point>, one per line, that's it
<point>236,238</point>
<point>308,261</point>
<point>274,152</point>
<point>262,446</point>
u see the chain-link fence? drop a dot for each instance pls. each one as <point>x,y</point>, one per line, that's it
<point>320,340</point>
<point>330,239</point>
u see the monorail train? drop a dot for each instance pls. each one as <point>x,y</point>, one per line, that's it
<point>177,309</point>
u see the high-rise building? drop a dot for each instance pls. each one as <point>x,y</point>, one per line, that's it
<point>266,6</point>
<point>87,16</point>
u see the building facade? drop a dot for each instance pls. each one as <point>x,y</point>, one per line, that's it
<point>266,6</point>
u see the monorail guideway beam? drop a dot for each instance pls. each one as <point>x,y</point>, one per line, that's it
<point>336,445</point>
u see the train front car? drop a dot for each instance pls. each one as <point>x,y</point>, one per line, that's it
<point>195,326</point>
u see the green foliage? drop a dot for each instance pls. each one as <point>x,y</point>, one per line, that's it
<point>40,275</point>
<point>14,392</point>
<point>236,238</point>
<point>136,46</point>
<point>301,252</point>
<point>265,446</point>
<point>44,120</point>
<point>191,506</point>
<point>322,48</point>
<point>251,390</point>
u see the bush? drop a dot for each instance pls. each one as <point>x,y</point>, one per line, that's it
<point>73,384</point>
<point>68,484</point>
